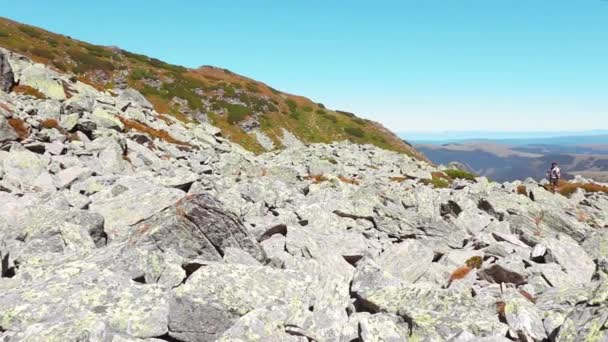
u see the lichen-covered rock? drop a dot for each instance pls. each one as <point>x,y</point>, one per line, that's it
<point>444,311</point>
<point>78,297</point>
<point>217,295</point>
<point>197,226</point>
<point>129,201</point>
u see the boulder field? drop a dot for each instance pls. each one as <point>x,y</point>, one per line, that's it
<point>120,224</point>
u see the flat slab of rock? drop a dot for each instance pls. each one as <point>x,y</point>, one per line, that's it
<point>131,200</point>
<point>445,311</point>
<point>217,295</point>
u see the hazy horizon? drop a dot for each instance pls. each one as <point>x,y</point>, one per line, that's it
<point>448,136</point>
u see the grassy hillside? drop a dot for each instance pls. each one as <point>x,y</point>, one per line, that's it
<point>230,101</point>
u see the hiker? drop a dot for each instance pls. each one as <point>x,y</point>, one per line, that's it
<point>554,174</point>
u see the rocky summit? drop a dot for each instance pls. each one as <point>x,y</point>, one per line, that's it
<point>121,224</point>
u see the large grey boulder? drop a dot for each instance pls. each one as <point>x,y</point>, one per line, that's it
<point>197,227</point>
<point>7,78</point>
<point>129,201</point>
<point>445,312</point>
<point>78,299</point>
<point>406,261</point>
<point>26,171</point>
<point>217,295</point>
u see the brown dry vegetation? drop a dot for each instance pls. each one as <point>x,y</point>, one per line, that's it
<point>27,90</point>
<point>348,180</point>
<point>460,273</point>
<point>528,296</point>
<point>152,132</point>
<point>316,179</point>
<point>49,124</point>
<point>20,128</point>
<point>568,189</point>
<point>398,179</point>
<point>521,189</point>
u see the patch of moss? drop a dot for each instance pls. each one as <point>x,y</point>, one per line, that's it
<point>236,113</point>
<point>474,262</point>
<point>354,131</point>
<point>459,174</point>
<point>291,104</point>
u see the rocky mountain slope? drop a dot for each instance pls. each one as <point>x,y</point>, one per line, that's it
<point>120,224</point>
<point>248,112</point>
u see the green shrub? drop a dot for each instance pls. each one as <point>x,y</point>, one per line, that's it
<point>349,114</point>
<point>359,121</point>
<point>291,104</point>
<point>307,109</point>
<point>295,115</point>
<point>30,31</point>
<point>236,112</point>
<point>229,91</point>
<point>87,62</point>
<point>184,89</point>
<point>274,91</point>
<point>99,51</point>
<point>141,73</point>
<point>321,112</point>
<point>3,34</point>
<point>459,174</point>
<point>331,118</point>
<point>354,131</point>
<point>252,87</point>
<point>322,106</point>
<point>157,63</point>
<point>45,53</point>
<point>437,182</point>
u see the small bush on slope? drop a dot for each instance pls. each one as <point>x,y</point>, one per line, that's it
<point>459,174</point>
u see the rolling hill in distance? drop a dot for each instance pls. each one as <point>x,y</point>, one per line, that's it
<point>519,155</point>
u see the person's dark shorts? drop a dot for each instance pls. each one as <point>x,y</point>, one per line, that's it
<point>554,181</point>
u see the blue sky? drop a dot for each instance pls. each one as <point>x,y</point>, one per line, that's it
<point>425,65</point>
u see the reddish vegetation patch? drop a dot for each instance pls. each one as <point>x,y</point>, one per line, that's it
<point>155,133</point>
<point>522,190</point>
<point>20,128</point>
<point>348,180</point>
<point>528,296</point>
<point>49,123</point>
<point>27,90</point>
<point>316,179</point>
<point>460,273</point>
<point>441,175</point>
<point>568,189</point>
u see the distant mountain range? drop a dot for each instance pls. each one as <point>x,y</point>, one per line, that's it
<point>512,158</point>
<point>534,137</point>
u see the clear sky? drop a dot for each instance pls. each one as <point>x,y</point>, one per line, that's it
<point>424,65</point>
